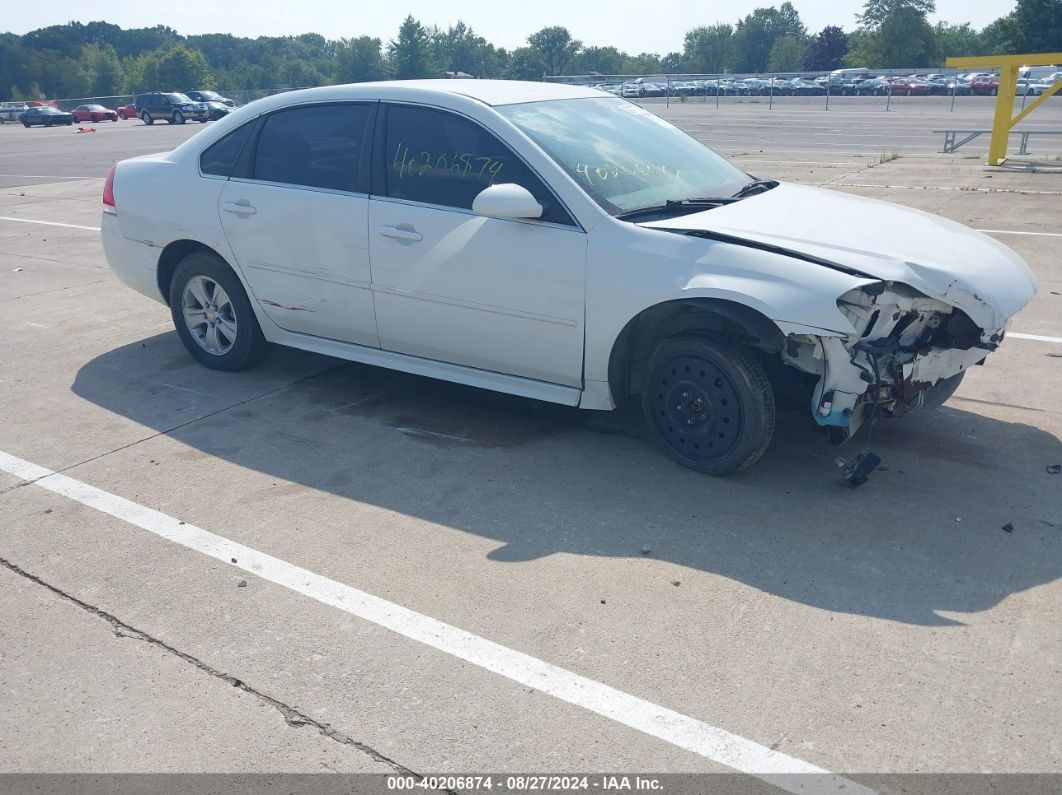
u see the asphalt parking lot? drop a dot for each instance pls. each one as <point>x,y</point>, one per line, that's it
<point>320,566</point>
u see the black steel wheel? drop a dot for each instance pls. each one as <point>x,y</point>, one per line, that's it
<point>709,403</point>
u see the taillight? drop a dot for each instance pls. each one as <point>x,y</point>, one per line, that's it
<point>108,190</point>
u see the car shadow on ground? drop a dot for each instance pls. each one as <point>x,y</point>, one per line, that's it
<point>962,514</point>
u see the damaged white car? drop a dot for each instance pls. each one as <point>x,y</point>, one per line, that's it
<point>558,243</point>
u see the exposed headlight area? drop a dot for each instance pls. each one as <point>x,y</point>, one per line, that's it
<point>908,351</point>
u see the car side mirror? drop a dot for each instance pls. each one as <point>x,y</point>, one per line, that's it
<point>506,201</point>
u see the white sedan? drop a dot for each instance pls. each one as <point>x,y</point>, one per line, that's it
<point>559,243</point>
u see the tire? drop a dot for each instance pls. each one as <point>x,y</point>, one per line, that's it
<point>178,117</point>
<point>121,115</point>
<point>146,117</point>
<point>709,403</point>
<point>201,274</point>
<point>26,124</point>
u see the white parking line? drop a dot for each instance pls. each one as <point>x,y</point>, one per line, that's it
<point>48,223</point>
<point>1016,232</point>
<point>47,176</point>
<point>788,773</point>
<point>1034,337</point>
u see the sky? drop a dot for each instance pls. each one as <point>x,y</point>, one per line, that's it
<point>644,26</point>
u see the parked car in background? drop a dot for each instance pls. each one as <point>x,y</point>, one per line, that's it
<point>918,88</point>
<point>127,111</point>
<point>806,88</point>
<point>552,268</point>
<point>630,90</point>
<point>218,110</point>
<point>46,116</point>
<point>10,111</point>
<point>209,96</point>
<point>959,86</point>
<point>91,113</point>
<point>1032,88</point>
<point>874,86</point>
<point>985,85</point>
<point>169,106</point>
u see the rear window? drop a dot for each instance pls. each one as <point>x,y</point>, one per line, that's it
<point>220,157</point>
<point>319,146</point>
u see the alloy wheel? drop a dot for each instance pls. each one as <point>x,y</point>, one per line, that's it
<point>209,315</point>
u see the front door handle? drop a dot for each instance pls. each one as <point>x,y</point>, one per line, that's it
<point>403,232</point>
<point>242,207</point>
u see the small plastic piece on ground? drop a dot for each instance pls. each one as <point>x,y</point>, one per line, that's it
<point>646,549</point>
<point>1008,528</point>
<point>241,584</point>
<point>1054,469</point>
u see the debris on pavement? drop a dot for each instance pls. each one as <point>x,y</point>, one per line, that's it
<point>646,549</point>
<point>1008,528</point>
<point>241,584</point>
<point>1054,469</point>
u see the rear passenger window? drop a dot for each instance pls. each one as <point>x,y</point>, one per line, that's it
<point>318,146</point>
<point>437,157</point>
<point>221,156</point>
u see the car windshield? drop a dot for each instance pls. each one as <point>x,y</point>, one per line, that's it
<point>625,157</point>
<point>179,98</point>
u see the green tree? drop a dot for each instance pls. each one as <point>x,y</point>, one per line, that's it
<point>672,62</point>
<point>602,60</point>
<point>756,34</point>
<point>181,68</point>
<point>787,55</point>
<point>896,33</point>
<point>826,50</point>
<point>525,63</point>
<point>641,64</point>
<point>555,48</point>
<point>103,71</point>
<point>410,54</point>
<point>359,60</point>
<point>1033,26</point>
<point>709,49</point>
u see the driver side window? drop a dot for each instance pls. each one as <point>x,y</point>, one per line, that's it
<point>436,157</point>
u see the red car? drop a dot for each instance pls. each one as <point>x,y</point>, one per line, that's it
<point>128,112</point>
<point>92,113</point>
<point>907,87</point>
<point>984,84</point>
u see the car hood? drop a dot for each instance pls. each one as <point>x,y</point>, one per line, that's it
<point>940,258</point>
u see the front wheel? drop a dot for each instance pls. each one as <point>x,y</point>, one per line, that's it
<point>709,402</point>
<point>213,315</point>
<point>178,117</point>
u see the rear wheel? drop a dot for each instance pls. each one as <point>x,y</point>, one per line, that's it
<point>709,402</point>
<point>213,315</point>
<point>146,118</point>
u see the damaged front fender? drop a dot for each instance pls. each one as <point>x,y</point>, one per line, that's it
<point>908,351</point>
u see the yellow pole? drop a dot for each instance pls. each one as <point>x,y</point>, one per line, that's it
<point>1008,66</point>
<point>1008,84</point>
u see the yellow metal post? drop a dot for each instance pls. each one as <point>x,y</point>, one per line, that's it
<point>1008,66</point>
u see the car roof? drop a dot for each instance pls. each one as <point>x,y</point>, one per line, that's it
<point>489,92</point>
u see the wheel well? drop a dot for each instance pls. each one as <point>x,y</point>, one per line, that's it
<point>171,257</point>
<point>645,331</point>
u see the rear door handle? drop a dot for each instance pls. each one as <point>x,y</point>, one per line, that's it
<point>404,232</point>
<point>242,207</point>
